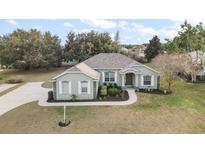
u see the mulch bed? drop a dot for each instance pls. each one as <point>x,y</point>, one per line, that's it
<point>156,91</point>
<point>122,97</point>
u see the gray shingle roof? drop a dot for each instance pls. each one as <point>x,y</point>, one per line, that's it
<point>110,60</point>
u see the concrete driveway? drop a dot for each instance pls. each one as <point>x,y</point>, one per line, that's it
<point>29,92</point>
<point>4,87</point>
<point>33,91</point>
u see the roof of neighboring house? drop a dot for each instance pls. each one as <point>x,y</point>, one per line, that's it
<point>110,60</point>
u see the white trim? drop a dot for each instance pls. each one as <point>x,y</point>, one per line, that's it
<point>103,76</point>
<point>64,73</point>
<point>60,87</point>
<point>148,68</point>
<point>136,81</point>
<point>115,76</point>
<point>152,80</point>
<point>69,87</point>
<point>142,80</point>
<point>123,80</point>
<point>108,68</point>
<point>89,87</point>
<point>79,87</point>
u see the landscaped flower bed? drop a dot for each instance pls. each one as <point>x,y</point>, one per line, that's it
<point>155,91</point>
<point>110,92</point>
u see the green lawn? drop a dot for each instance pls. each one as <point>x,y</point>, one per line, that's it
<point>181,112</point>
<point>185,95</point>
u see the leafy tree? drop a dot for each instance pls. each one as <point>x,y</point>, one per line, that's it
<point>30,49</point>
<point>153,48</point>
<point>84,45</point>
<point>117,37</point>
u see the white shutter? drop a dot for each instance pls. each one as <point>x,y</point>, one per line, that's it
<point>115,77</point>
<point>152,80</point>
<point>88,87</point>
<point>103,76</point>
<point>79,87</point>
<point>60,87</point>
<point>69,87</point>
<point>142,80</point>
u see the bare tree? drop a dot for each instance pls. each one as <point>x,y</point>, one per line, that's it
<point>169,67</point>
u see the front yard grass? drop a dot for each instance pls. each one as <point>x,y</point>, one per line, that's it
<point>181,112</point>
<point>185,95</point>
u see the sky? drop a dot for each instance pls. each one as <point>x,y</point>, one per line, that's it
<point>132,31</point>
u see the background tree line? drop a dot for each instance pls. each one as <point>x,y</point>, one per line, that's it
<point>32,49</point>
<point>81,46</point>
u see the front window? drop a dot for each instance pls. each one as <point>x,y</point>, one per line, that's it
<point>147,80</point>
<point>65,87</point>
<point>109,76</point>
<point>84,87</point>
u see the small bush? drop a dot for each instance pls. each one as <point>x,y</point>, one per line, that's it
<point>103,91</point>
<point>17,79</point>
<point>73,97</point>
<point>50,96</point>
<point>110,85</point>
<point>113,91</point>
<point>115,85</point>
<point>105,84</point>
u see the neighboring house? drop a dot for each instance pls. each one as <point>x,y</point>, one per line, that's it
<point>84,78</point>
<point>198,57</point>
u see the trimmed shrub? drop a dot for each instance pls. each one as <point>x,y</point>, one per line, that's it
<point>17,79</point>
<point>103,91</point>
<point>73,97</point>
<point>113,91</point>
<point>50,96</point>
<point>115,85</point>
<point>110,85</point>
<point>105,84</point>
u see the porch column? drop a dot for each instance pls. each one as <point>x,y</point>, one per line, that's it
<point>123,80</point>
<point>136,80</point>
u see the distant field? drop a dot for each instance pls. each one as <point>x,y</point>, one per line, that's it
<point>31,75</point>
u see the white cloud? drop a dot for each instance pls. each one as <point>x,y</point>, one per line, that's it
<point>12,22</point>
<point>145,33</point>
<point>123,24</point>
<point>99,23</point>
<point>67,24</point>
<point>37,27</point>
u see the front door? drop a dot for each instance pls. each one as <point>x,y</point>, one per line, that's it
<point>129,79</point>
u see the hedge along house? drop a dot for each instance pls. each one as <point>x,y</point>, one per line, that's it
<point>84,78</point>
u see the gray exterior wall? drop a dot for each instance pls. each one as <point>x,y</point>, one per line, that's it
<point>74,78</point>
<point>143,71</point>
<point>146,71</point>
<point>119,78</point>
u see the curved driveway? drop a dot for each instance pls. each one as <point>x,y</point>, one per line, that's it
<point>33,91</point>
<point>29,92</point>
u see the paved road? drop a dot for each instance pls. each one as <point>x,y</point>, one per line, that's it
<point>29,92</point>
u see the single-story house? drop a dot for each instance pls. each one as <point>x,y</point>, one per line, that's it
<point>84,78</point>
